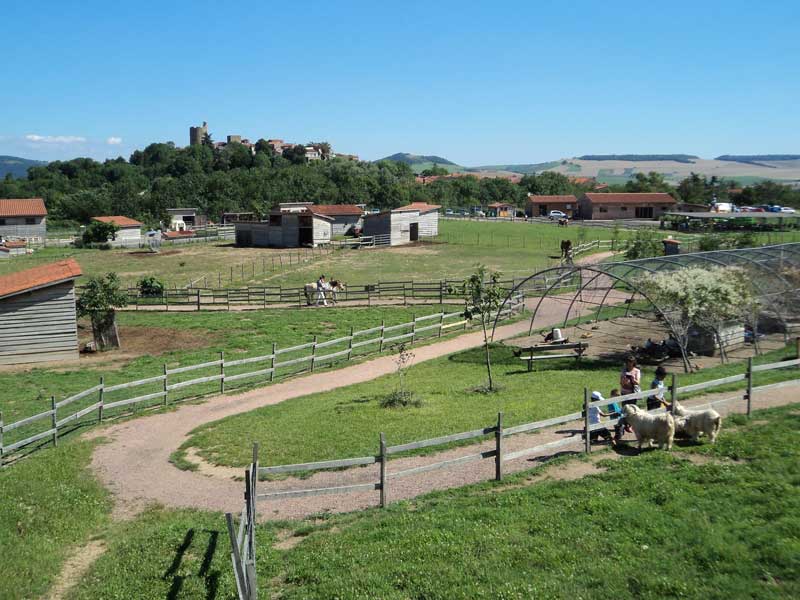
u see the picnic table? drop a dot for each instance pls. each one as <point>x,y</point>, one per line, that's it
<point>537,352</point>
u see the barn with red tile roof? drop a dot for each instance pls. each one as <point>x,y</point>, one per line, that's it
<point>130,230</point>
<point>37,310</point>
<point>629,205</point>
<point>23,218</point>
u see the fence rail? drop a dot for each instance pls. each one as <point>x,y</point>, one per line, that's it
<point>213,377</point>
<point>247,585</point>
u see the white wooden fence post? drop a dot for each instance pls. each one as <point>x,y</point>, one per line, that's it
<point>350,344</point>
<point>1,439</point>
<point>272,365</point>
<point>383,456</point>
<point>313,353</point>
<point>588,441</point>
<point>383,327</point>
<point>498,457</point>
<point>101,400</point>
<point>222,372</point>
<point>54,420</point>
<point>749,393</point>
<point>165,385</point>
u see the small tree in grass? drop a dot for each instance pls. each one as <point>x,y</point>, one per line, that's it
<point>98,301</point>
<point>401,397</point>
<point>98,232</point>
<point>483,299</point>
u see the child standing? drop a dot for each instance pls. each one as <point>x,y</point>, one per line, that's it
<point>594,419</point>
<point>654,402</point>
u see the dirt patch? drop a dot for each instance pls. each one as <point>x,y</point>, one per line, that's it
<point>206,468</point>
<point>75,568</point>
<point>287,540</point>
<point>412,249</point>
<point>149,254</point>
<point>704,459</point>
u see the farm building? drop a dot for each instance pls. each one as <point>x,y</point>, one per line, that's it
<point>130,230</point>
<point>405,224</point>
<point>500,209</point>
<point>182,219</point>
<point>23,218</point>
<point>37,310</point>
<point>290,225</point>
<point>540,206</point>
<point>346,217</point>
<point>230,218</point>
<point>9,249</point>
<point>647,205</point>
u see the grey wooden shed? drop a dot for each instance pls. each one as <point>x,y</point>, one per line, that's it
<point>38,321</point>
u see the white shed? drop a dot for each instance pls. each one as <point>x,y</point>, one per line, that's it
<point>130,230</point>
<point>292,226</point>
<point>403,225</point>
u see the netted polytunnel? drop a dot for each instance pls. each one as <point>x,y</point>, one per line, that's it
<point>594,292</point>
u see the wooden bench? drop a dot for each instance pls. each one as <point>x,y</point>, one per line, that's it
<point>541,352</point>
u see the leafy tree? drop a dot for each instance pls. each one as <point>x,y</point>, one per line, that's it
<point>547,183</point>
<point>295,154</point>
<point>709,242</point>
<point>150,287</point>
<point>645,244</point>
<point>435,171</point>
<point>208,142</point>
<point>98,301</point>
<point>483,300</point>
<point>98,232</point>
<point>652,182</point>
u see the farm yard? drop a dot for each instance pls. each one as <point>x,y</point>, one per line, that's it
<point>152,487</point>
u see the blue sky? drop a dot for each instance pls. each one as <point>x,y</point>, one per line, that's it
<point>478,83</point>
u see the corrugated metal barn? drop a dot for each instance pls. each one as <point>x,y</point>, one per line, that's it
<point>291,225</point>
<point>37,314</point>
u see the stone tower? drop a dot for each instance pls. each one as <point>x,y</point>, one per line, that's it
<point>196,134</point>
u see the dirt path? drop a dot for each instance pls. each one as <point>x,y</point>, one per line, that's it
<point>135,465</point>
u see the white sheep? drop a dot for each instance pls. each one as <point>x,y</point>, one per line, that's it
<point>695,423</point>
<point>647,427</point>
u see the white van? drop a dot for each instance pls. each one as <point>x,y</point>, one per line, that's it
<point>722,207</point>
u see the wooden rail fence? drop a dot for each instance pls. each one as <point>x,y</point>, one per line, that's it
<point>216,376</point>
<point>497,454</point>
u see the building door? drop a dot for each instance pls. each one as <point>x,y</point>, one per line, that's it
<point>414,233</point>
<point>305,236</point>
<point>644,212</point>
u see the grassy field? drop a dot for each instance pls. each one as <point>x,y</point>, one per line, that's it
<point>50,504</point>
<point>151,339</point>
<point>300,430</point>
<point>175,265</point>
<point>656,525</point>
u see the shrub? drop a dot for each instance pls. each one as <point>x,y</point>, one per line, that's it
<point>645,244</point>
<point>150,287</point>
<point>400,399</point>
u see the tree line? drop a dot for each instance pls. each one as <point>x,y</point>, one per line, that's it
<point>234,179</point>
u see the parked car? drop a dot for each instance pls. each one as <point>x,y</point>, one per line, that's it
<point>479,213</point>
<point>556,214</point>
<point>788,210</point>
<point>449,211</point>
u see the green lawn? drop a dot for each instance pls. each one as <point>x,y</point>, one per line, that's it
<point>50,503</point>
<point>199,337</point>
<point>347,422</point>
<point>651,526</point>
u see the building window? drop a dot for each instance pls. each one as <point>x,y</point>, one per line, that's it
<point>2,221</point>
<point>623,208</point>
<point>603,209</point>
<point>275,220</point>
<point>644,212</point>
<point>30,221</point>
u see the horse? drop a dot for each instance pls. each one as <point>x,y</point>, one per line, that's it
<point>566,248</point>
<point>329,291</point>
<point>563,222</point>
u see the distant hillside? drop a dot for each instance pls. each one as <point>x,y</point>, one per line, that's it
<point>415,159</point>
<point>681,158</point>
<point>420,162</point>
<point>18,167</point>
<point>523,169</point>
<point>761,160</point>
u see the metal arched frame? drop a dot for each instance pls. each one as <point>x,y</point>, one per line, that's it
<point>657,264</point>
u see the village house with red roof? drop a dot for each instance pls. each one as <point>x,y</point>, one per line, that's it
<point>23,218</point>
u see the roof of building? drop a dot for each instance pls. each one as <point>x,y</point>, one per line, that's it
<point>14,244</point>
<point>22,207</point>
<point>631,198</point>
<point>119,221</point>
<point>545,199</point>
<point>336,210</point>
<point>39,277</point>
<point>422,207</point>
<point>499,204</point>
<point>733,215</point>
<point>181,210</point>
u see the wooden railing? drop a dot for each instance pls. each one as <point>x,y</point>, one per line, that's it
<point>216,376</point>
<point>243,555</point>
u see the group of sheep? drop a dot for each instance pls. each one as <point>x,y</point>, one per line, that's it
<point>662,428</point>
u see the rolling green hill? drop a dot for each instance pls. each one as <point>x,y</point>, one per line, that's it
<point>420,162</point>
<point>18,167</point>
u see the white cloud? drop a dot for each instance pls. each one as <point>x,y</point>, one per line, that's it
<point>55,139</point>
<point>114,141</point>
